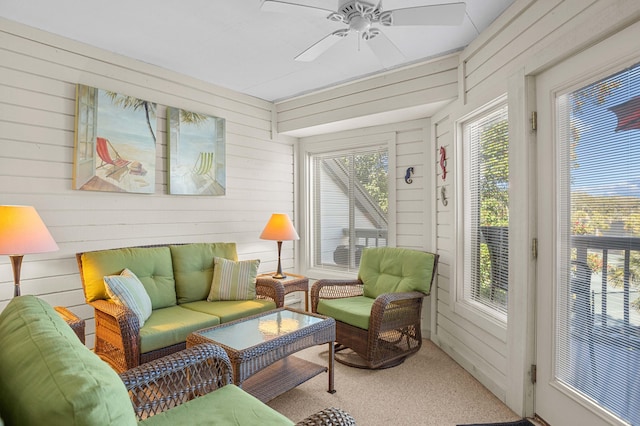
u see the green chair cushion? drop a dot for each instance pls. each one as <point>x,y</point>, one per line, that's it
<point>152,265</point>
<point>193,267</point>
<point>226,406</point>
<point>170,326</point>
<point>395,270</point>
<point>47,376</point>
<point>229,310</point>
<point>351,310</point>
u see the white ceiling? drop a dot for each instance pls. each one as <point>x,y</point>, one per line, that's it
<point>232,43</point>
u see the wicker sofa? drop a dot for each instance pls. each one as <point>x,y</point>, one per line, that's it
<point>177,278</point>
<point>47,376</point>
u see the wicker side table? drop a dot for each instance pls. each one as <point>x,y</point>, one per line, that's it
<point>75,322</point>
<point>291,284</point>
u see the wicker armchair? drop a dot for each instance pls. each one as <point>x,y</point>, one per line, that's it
<point>378,315</point>
<point>175,379</point>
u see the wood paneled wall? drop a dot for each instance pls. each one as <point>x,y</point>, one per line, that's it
<point>38,77</point>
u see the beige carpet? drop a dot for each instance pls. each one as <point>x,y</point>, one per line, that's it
<point>429,388</point>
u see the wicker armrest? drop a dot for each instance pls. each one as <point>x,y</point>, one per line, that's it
<point>117,327</point>
<point>334,289</point>
<point>175,379</point>
<point>267,288</point>
<point>395,310</point>
<point>328,417</point>
<point>76,323</point>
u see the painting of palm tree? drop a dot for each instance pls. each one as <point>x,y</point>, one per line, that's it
<point>115,142</point>
<point>196,160</point>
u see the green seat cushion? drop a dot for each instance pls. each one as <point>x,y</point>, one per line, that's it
<point>351,310</point>
<point>229,310</point>
<point>152,265</point>
<point>395,270</point>
<point>48,377</point>
<point>228,406</point>
<point>193,267</point>
<point>170,326</point>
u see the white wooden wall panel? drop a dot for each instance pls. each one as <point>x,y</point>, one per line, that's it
<point>431,81</point>
<point>38,77</point>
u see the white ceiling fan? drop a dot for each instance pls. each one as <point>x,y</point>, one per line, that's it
<point>361,16</point>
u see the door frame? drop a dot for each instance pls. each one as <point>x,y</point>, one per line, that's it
<point>555,402</point>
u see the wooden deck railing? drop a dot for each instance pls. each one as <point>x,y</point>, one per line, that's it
<point>606,247</point>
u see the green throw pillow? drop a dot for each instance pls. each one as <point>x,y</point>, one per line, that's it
<point>233,280</point>
<point>127,290</point>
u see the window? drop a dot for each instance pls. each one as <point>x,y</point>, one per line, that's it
<point>486,211</point>
<point>349,205</point>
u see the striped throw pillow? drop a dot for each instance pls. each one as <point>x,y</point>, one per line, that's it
<point>233,280</point>
<point>127,290</point>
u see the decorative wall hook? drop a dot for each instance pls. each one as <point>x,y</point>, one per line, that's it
<point>443,196</point>
<point>407,176</point>
<point>443,162</point>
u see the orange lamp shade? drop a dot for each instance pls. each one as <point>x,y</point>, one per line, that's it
<point>279,228</point>
<point>23,232</point>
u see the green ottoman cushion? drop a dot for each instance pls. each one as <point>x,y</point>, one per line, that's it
<point>351,310</point>
<point>193,267</point>
<point>228,406</point>
<point>47,376</point>
<point>229,310</point>
<point>395,270</point>
<point>170,326</point>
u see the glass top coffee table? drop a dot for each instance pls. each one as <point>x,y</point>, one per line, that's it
<point>260,346</point>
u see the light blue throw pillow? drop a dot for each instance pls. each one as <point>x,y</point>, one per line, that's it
<point>127,290</point>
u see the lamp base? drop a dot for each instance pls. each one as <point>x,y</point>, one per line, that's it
<point>279,276</point>
<point>16,263</point>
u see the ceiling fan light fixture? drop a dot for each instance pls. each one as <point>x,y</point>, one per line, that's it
<point>360,24</point>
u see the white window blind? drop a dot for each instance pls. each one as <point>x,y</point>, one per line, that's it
<point>486,210</point>
<point>350,197</point>
<point>597,298</point>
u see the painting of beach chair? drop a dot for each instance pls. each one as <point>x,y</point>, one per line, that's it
<point>119,166</point>
<point>202,170</point>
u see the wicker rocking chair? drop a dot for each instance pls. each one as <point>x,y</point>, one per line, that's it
<point>378,315</point>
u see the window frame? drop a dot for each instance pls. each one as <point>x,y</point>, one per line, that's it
<point>492,321</point>
<point>310,148</point>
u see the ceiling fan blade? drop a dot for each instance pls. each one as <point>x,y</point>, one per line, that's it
<point>291,7</point>
<point>387,52</point>
<point>438,14</point>
<point>320,47</point>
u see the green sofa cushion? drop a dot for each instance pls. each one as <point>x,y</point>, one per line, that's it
<point>152,265</point>
<point>227,406</point>
<point>47,376</point>
<point>395,270</point>
<point>351,310</point>
<point>229,310</point>
<point>193,267</point>
<point>172,325</point>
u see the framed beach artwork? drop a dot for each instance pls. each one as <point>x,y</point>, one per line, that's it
<point>196,158</point>
<point>115,142</point>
